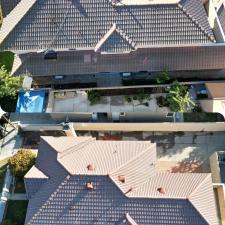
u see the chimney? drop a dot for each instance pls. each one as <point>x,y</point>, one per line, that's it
<point>161,190</point>
<point>91,167</point>
<point>121,178</point>
<point>90,186</point>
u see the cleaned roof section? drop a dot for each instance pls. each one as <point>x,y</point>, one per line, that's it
<point>63,24</point>
<point>64,199</point>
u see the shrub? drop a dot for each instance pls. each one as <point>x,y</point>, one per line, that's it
<point>21,163</point>
<point>161,101</point>
<point>143,96</point>
<point>9,85</point>
<point>178,98</point>
<point>128,99</point>
<point>93,96</point>
<point>163,78</point>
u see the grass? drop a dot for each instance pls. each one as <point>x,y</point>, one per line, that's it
<point>16,212</point>
<point>3,166</point>
<point>19,186</point>
<point>203,117</point>
<point>6,59</point>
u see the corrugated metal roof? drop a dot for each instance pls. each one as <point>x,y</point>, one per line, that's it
<point>63,24</point>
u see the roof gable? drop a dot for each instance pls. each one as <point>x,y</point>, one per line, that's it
<point>114,41</point>
<point>64,24</point>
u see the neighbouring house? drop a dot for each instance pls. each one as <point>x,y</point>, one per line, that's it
<point>217,166</point>
<point>70,37</point>
<point>216,98</point>
<point>85,181</point>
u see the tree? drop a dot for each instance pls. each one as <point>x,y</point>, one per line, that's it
<point>21,162</point>
<point>9,85</point>
<point>178,98</point>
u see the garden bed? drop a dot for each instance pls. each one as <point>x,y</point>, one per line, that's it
<point>16,212</point>
<point>3,167</point>
<point>203,117</point>
<point>31,139</point>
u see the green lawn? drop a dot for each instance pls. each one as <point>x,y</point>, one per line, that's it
<point>6,59</point>
<point>16,212</point>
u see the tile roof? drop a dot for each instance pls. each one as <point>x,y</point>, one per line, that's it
<point>7,6</point>
<point>221,16</point>
<point>151,59</point>
<point>34,172</point>
<point>63,24</point>
<point>64,199</point>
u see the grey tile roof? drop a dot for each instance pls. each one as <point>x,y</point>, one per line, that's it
<point>64,199</point>
<point>8,5</point>
<point>152,59</point>
<point>63,24</point>
<point>221,16</point>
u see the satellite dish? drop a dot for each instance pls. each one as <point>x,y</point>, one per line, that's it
<point>27,82</point>
<point>2,112</point>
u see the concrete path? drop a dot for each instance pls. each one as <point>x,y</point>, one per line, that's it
<point>10,144</point>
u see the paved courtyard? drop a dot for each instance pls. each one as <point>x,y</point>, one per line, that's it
<point>188,151</point>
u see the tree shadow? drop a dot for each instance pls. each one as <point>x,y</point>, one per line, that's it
<point>187,166</point>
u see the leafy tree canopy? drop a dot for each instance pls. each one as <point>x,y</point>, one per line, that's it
<point>9,85</point>
<point>178,98</point>
<point>21,163</point>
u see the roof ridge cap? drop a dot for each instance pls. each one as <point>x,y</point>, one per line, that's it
<point>198,210</point>
<point>132,159</point>
<point>198,186</point>
<point>105,37</point>
<point>123,34</point>
<point>16,15</point>
<point>180,6</point>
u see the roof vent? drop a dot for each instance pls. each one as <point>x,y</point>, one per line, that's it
<point>121,178</point>
<point>90,186</point>
<point>161,190</point>
<point>91,167</point>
